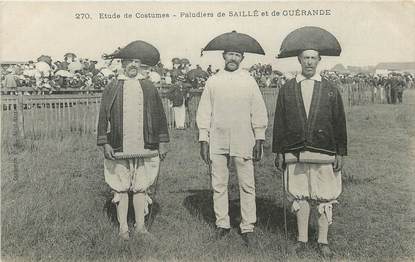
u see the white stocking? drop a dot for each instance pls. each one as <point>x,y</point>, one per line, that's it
<point>303,215</point>
<point>122,211</point>
<point>139,202</point>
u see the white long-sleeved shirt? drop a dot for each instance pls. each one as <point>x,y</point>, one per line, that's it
<point>232,114</point>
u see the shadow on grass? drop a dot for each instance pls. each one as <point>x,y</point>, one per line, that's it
<point>270,215</point>
<point>111,211</point>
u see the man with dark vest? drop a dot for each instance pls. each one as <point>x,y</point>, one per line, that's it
<point>310,136</point>
<point>132,129</point>
<point>393,87</point>
<point>400,88</point>
<point>178,95</point>
<point>175,72</point>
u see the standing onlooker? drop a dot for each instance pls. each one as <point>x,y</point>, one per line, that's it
<point>10,80</point>
<point>167,79</point>
<point>400,88</point>
<point>178,95</point>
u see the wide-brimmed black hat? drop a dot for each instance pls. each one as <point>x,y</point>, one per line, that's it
<point>147,53</point>
<point>309,38</point>
<point>236,42</point>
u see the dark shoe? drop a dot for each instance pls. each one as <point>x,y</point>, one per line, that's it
<point>299,249</point>
<point>325,250</point>
<point>221,232</point>
<point>124,235</point>
<point>141,231</point>
<point>249,239</point>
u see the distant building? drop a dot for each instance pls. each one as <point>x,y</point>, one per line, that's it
<point>386,68</point>
<point>339,68</point>
<point>8,63</point>
<point>361,69</point>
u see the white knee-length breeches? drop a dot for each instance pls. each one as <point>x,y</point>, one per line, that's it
<point>135,175</point>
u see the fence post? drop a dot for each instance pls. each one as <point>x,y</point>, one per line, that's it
<point>20,116</point>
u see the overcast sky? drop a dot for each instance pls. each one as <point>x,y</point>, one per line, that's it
<point>369,33</point>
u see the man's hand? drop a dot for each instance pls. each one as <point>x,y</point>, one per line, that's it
<point>163,149</point>
<point>279,163</point>
<point>204,152</point>
<point>257,151</point>
<point>338,163</point>
<point>108,152</point>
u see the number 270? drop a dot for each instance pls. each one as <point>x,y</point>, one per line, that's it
<point>82,16</point>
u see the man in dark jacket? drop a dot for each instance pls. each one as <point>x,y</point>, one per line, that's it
<point>178,95</point>
<point>132,129</point>
<point>310,140</point>
<point>400,88</point>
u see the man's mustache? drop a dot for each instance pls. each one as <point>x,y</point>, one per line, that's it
<point>232,61</point>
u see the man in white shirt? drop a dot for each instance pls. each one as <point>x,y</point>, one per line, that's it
<point>154,76</point>
<point>167,78</point>
<point>232,120</point>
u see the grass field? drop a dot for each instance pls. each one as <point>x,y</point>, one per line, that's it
<point>57,206</point>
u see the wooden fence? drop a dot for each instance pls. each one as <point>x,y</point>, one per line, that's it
<point>50,115</point>
<point>362,94</point>
<point>40,116</point>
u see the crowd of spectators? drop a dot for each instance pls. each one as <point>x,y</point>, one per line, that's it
<point>388,87</point>
<point>72,73</point>
<point>371,79</point>
<point>48,76</point>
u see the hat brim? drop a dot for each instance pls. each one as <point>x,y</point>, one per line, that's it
<point>310,38</point>
<point>235,42</point>
<point>145,52</point>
